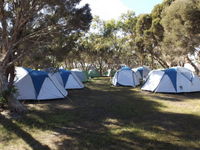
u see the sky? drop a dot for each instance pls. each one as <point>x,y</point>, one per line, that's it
<point>112,9</point>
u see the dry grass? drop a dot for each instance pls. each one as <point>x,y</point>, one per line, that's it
<point>105,117</point>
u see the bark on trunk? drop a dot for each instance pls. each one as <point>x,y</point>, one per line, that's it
<point>142,60</point>
<point>82,65</point>
<point>152,62</point>
<point>193,65</point>
<point>161,62</point>
<point>13,103</point>
<point>3,81</point>
<point>100,66</point>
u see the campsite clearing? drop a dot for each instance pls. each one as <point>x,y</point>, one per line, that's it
<point>105,117</point>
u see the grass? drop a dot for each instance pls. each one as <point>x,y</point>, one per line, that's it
<point>102,117</point>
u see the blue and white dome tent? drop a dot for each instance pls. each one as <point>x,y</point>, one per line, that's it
<point>125,77</point>
<point>172,80</point>
<point>142,72</point>
<point>37,85</point>
<point>67,79</point>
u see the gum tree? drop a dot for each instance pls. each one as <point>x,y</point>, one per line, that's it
<point>28,24</point>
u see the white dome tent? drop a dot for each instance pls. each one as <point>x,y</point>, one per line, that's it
<point>80,74</point>
<point>37,85</point>
<point>172,80</point>
<point>125,77</point>
<point>67,79</point>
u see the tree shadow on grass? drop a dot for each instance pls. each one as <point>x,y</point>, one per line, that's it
<point>88,139</point>
<point>173,96</point>
<point>12,127</point>
<point>193,95</point>
<point>168,97</point>
<point>114,118</point>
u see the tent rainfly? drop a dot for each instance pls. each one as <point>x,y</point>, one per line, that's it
<point>172,80</point>
<point>37,85</point>
<point>125,77</point>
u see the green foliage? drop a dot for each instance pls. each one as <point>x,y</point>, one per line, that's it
<point>5,94</point>
<point>157,29</point>
<point>167,34</point>
<point>3,101</point>
<point>143,23</point>
<point>45,31</point>
<point>157,11</point>
<point>167,2</point>
<point>181,23</point>
<point>127,22</point>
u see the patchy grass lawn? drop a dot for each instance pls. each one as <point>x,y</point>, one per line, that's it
<point>102,117</point>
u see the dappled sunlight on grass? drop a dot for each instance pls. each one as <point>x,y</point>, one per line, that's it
<point>55,104</point>
<point>105,117</point>
<point>175,103</point>
<point>7,138</point>
<point>183,108</point>
<point>111,123</point>
<point>156,133</point>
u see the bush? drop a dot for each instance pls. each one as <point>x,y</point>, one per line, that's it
<point>5,94</point>
<point>3,101</point>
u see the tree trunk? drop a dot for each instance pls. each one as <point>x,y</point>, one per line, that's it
<point>65,63</point>
<point>3,81</point>
<point>160,61</point>
<point>142,60</point>
<point>13,103</point>
<point>152,62</point>
<point>193,65</point>
<point>82,65</point>
<point>100,66</point>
